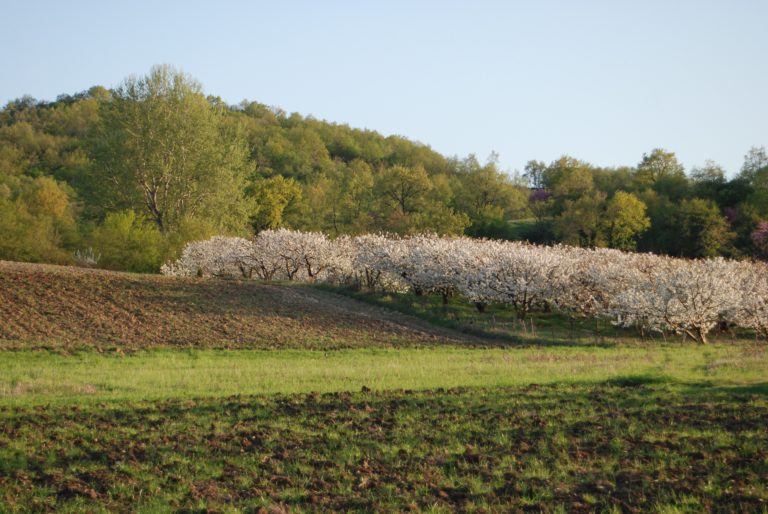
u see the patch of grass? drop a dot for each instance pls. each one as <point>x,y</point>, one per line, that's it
<point>566,448</point>
<point>28,377</point>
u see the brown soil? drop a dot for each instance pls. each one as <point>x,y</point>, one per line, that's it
<point>66,308</point>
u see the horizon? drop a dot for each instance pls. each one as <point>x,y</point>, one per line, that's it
<point>452,77</point>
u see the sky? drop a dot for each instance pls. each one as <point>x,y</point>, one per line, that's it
<point>603,81</point>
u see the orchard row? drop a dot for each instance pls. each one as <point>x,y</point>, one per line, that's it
<point>629,289</point>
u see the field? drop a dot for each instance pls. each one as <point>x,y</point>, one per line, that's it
<point>122,392</point>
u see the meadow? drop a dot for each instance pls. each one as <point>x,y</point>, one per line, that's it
<point>234,396</point>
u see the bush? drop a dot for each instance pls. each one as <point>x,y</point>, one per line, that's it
<point>129,243</point>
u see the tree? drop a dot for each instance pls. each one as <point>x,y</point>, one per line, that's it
<point>37,221</point>
<point>534,174</point>
<point>711,172</point>
<point>487,195</point>
<point>702,230</point>
<point>755,161</point>
<point>658,165</point>
<point>128,242</point>
<point>580,222</point>
<point>274,199</point>
<point>404,188</point>
<point>625,220</point>
<point>708,180</point>
<point>163,148</point>
<point>568,178</point>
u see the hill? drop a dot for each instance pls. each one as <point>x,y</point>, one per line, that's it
<point>65,308</point>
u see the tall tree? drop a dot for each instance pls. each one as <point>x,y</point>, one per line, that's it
<point>163,148</point>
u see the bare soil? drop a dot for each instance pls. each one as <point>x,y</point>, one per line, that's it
<point>67,308</point>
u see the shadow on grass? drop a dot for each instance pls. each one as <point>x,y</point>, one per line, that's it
<point>716,390</point>
<point>638,380</point>
<point>549,334</point>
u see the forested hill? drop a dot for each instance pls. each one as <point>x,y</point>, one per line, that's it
<point>123,178</point>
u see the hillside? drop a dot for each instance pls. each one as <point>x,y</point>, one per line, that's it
<point>64,308</point>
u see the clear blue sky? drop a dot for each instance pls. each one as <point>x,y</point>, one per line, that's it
<point>603,81</point>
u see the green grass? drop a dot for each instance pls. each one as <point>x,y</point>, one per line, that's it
<point>35,377</point>
<point>615,447</point>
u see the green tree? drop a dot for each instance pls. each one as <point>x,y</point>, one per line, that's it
<point>37,220</point>
<point>658,165</point>
<point>534,174</point>
<point>568,178</point>
<point>708,180</point>
<point>275,199</point>
<point>702,230</point>
<point>128,242</point>
<point>580,222</point>
<point>487,195</point>
<point>624,221</point>
<point>29,238</point>
<point>755,161</point>
<point>163,148</point>
<point>403,189</point>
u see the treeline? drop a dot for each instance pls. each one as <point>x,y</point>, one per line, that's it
<point>124,178</point>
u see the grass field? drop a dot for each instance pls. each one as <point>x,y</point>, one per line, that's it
<point>33,378</point>
<point>123,393</point>
<point>576,448</point>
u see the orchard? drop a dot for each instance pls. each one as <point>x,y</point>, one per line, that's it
<point>647,291</point>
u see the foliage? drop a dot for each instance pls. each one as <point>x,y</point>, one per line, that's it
<point>126,241</point>
<point>37,220</point>
<point>702,230</point>
<point>197,167</point>
<point>625,220</point>
<point>163,149</point>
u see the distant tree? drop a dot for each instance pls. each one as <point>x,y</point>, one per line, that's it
<point>273,200</point>
<point>488,196</point>
<point>534,173</point>
<point>540,204</point>
<point>658,165</point>
<point>709,172</point>
<point>580,222</point>
<point>708,180</point>
<point>702,230</point>
<point>663,236</point>
<point>403,189</point>
<point>755,161</point>
<point>568,178</point>
<point>760,237</point>
<point>37,220</point>
<point>625,220</point>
